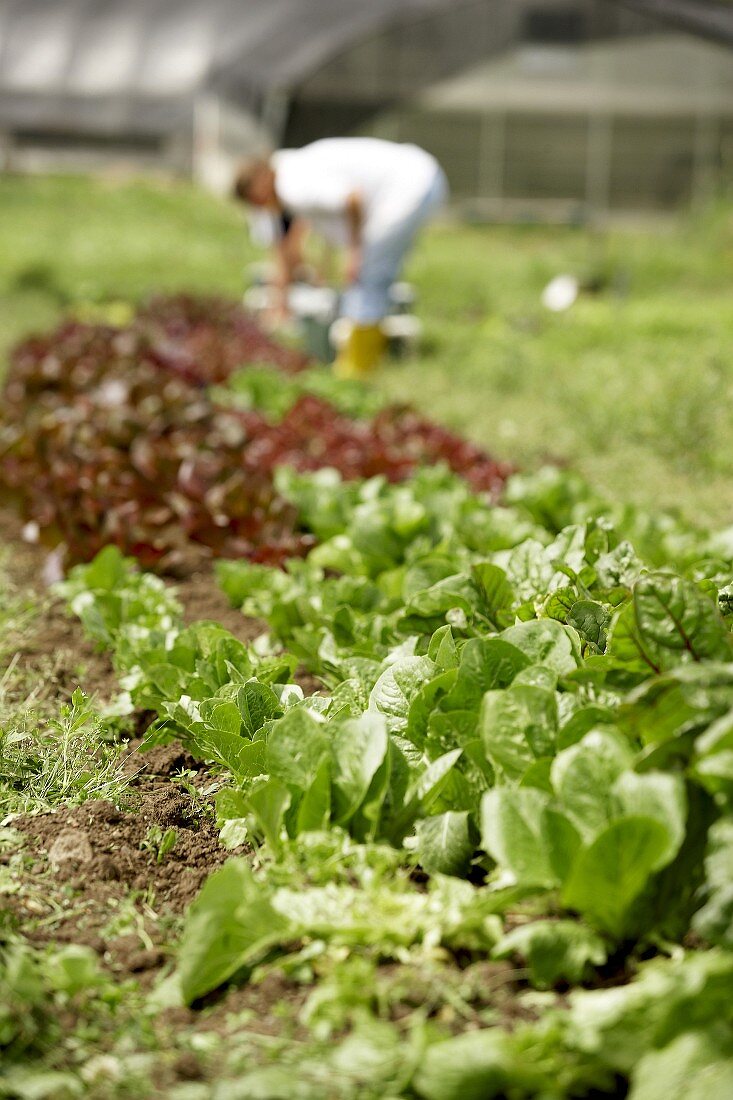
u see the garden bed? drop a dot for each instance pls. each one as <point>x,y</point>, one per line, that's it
<point>423,791</point>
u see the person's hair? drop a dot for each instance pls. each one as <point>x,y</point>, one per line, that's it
<point>245,176</point>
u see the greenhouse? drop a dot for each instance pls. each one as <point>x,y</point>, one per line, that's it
<point>190,87</point>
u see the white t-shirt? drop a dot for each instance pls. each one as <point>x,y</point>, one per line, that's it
<point>315,182</point>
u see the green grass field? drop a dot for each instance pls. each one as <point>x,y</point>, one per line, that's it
<point>632,386</point>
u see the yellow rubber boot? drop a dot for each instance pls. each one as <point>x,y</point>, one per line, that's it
<point>361,353</point>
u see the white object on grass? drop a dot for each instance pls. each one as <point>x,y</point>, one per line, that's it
<point>560,293</point>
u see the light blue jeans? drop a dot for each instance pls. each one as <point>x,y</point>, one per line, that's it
<point>367,301</point>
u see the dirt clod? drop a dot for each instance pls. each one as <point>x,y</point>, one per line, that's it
<point>167,760</point>
<point>145,960</point>
<point>187,1067</point>
<point>71,846</point>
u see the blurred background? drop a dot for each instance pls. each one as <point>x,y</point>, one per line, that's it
<point>585,137</point>
<point>542,108</point>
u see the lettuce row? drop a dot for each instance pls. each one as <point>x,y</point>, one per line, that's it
<point>539,708</point>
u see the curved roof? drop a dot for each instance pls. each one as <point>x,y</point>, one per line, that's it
<point>112,63</point>
<point>711,19</point>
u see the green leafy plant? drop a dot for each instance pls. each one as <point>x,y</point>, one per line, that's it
<point>159,842</point>
<point>524,711</point>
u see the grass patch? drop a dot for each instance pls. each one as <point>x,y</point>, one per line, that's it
<point>632,385</point>
<point>56,761</point>
<point>52,753</point>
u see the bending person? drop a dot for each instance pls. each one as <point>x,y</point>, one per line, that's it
<point>365,195</point>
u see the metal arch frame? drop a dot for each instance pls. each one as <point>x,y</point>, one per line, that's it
<point>710,19</point>
<point>270,102</point>
<point>335,37</point>
<point>264,59</point>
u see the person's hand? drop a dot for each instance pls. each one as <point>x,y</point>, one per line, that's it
<point>353,265</point>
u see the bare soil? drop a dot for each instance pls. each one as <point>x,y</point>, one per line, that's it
<point>202,598</point>
<point>89,862</point>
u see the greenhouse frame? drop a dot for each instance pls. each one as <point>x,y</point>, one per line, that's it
<point>537,107</point>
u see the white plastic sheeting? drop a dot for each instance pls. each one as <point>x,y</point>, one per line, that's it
<point>139,63</point>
